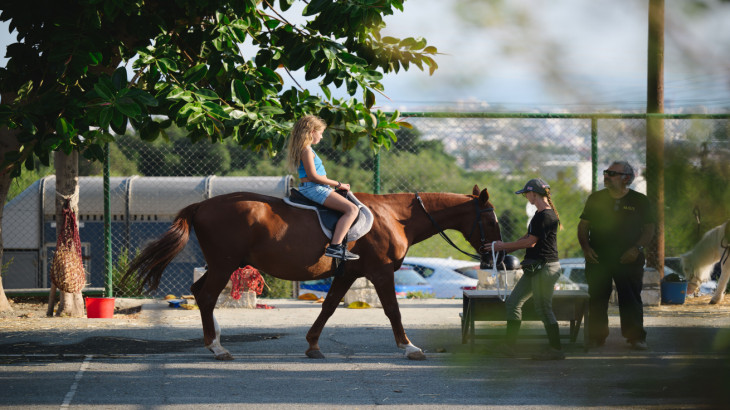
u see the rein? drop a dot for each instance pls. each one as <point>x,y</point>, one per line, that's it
<point>477,222</point>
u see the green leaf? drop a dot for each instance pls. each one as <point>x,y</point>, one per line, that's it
<point>63,128</point>
<point>240,92</point>
<point>105,117</point>
<point>189,108</point>
<point>326,91</point>
<point>206,94</point>
<point>50,143</point>
<point>103,91</point>
<point>119,78</point>
<point>166,65</point>
<point>95,57</point>
<point>350,59</point>
<point>128,107</point>
<point>369,98</point>
<point>270,75</point>
<point>196,73</point>
<point>143,97</point>
<point>271,110</point>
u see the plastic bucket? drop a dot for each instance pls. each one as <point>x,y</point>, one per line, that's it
<point>674,292</point>
<point>99,308</point>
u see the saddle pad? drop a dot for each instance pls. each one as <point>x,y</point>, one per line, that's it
<point>328,217</point>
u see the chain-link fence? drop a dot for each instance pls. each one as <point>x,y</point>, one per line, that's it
<point>443,152</point>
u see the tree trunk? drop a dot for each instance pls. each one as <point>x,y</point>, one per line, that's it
<point>67,188</point>
<point>8,142</point>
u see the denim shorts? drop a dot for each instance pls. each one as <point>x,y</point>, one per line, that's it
<point>314,191</point>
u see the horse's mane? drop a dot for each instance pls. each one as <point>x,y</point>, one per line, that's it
<point>698,261</point>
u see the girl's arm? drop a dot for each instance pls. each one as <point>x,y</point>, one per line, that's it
<point>308,161</point>
<point>527,241</point>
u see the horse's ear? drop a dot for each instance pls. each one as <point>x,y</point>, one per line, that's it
<point>484,196</point>
<point>475,191</point>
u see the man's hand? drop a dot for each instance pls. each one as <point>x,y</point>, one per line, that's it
<point>590,255</point>
<point>630,255</point>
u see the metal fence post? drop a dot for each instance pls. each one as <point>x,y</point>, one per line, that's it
<point>594,154</point>
<point>109,291</point>
<point>376,173</point>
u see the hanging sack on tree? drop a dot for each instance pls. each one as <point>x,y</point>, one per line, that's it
<point>67,268</point>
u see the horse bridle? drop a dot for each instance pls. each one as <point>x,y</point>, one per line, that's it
<point>481,257</point>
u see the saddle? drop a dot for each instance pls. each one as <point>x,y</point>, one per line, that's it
<point>328,217</point>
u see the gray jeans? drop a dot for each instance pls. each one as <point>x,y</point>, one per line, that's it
<point>540,287</point>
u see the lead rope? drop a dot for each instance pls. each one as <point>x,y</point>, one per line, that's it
<point>497,275</point>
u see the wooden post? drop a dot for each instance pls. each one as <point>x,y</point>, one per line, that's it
<point>655,130</point>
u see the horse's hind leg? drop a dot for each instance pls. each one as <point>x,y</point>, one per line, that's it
<point>206,292</point>
<point>339,287</point>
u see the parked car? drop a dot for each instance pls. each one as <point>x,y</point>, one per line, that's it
<point>406,281</point>
<point>449,277</point>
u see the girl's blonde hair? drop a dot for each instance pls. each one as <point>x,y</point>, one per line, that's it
<point>301,136</point>
<point>550,202</point>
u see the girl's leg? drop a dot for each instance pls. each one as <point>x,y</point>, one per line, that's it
<point>544,286</point>
<point>349,214</point>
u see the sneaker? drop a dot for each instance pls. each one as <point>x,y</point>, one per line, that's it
<point>340,252</point>
<point>639,345</point>
<point>549,354</point>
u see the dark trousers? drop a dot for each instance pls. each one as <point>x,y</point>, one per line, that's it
<point>629,280</point>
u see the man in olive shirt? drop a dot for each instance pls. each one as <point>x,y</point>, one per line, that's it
<point>616,224</point>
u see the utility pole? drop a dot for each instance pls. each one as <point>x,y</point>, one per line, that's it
<point>655,130</point>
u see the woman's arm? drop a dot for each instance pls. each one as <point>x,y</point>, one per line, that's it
<point>527,241</point>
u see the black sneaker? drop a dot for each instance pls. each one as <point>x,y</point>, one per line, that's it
<point>340,252</point>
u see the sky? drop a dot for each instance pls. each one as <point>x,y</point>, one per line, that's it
<point>557,56</point>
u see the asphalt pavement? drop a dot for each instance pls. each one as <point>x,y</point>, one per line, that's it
<point>157,360</point>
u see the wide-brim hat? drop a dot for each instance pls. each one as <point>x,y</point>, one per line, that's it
<point>536,185</point>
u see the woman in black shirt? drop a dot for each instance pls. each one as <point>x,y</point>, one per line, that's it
<point>541,270</point>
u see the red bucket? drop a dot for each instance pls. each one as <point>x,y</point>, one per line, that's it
<point>99,308</point>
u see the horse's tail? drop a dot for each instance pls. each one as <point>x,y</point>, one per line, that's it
<point>153,260</point>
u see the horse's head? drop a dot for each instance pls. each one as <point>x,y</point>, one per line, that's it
<point>485,229</point>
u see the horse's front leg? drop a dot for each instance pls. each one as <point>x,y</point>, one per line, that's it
<point>721,283</point>
<point>385,287</point>
<point>339,287</point>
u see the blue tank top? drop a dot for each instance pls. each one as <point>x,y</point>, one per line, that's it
<point>318,166</point>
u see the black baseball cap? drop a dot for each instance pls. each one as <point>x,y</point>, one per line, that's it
<point>536,185</point>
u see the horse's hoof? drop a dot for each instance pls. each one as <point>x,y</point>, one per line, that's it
<point>713,301</point>
<point>417,355</point>
<point>315,354</point>
<point>224,357</point>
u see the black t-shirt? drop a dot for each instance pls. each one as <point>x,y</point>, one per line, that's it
<point>544,225</point>
<point>616,224</point>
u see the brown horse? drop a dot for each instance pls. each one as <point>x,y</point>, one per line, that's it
<point>250,229</point>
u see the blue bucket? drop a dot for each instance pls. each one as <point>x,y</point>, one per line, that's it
<point>673,293</point>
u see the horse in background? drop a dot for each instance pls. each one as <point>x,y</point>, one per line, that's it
<point>244,228</point>
<point>697,263</point>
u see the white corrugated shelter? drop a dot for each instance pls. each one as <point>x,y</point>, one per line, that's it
<point>133,198</point>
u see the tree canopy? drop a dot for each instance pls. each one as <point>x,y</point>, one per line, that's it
<point>66,84</point>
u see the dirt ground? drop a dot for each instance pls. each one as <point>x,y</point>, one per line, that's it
<point>30,313</point>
